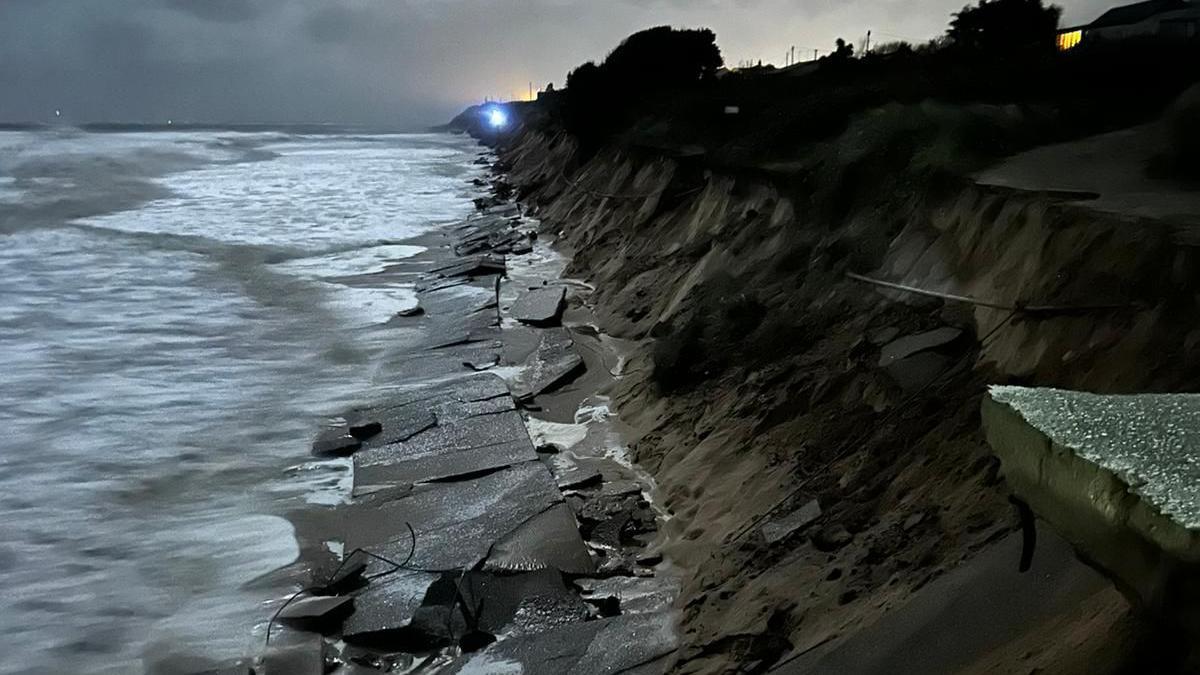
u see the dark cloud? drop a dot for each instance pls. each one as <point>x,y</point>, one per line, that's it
<point>222,11</point>
<point>396,62</point>
<point>337,24</point>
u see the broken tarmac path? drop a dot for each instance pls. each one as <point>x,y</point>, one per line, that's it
<point>457,550</point>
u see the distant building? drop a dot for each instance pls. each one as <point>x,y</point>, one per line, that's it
<point>1167,19</point>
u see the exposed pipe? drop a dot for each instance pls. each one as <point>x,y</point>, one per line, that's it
<point>1018,307</point>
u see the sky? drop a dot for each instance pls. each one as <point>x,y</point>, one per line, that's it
<point>395,63</point>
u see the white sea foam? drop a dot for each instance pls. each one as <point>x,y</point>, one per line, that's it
<point>370,260</point>
<point>565,436</point>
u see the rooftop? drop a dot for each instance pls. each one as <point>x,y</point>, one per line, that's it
<point>1138,11</point>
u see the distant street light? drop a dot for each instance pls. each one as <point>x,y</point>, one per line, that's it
<point>497,118</point>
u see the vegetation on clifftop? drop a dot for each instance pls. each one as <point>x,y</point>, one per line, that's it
<point>662,90</point>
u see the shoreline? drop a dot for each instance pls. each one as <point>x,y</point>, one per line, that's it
<point>584,551</point>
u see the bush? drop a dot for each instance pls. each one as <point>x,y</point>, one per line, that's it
<point>894,47</point>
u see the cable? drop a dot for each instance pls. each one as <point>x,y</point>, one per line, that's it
<point>333,575</point>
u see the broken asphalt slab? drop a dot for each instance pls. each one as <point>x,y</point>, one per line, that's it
<point>579,478</point>
<point>552,364</point>
<point>409,413</point>
<point>914,361</point>
<point>549,539</point>
<point>335,442</point>
<point>443,431</point>
<point>541,307</point>
<point>469,446</point>
<point>913,344</point>
<point>316,613</point>
<point>506,605</point>
<point>494,235</point>
<point>472,266</point>
<point>387,604</point>
<point>618,644</point>
<point>427,609</point>
<point>397,423</point>
<point>491,536</point>
<point>458,523</point>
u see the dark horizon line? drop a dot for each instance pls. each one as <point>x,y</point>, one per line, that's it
<point>294,127</point>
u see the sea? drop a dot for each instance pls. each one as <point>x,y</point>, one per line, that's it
<point>174,326</point>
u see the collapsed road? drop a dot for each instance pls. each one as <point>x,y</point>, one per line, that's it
<point>463,547</point>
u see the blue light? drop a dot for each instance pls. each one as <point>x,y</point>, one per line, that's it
<point>497,118</point>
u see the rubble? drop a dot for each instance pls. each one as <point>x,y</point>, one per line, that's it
<point>335,442</point>
<point>457,533</point>
<point>316,613</point>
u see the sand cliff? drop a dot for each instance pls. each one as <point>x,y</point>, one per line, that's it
<point>765,379</point>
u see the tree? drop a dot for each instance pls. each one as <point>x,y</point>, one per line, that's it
<point>599,97</point>
<point>844,51</point>
<point>663,57</point>
<point>1005,26</point>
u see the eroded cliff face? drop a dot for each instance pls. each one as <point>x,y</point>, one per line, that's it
<point>765,378</point>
